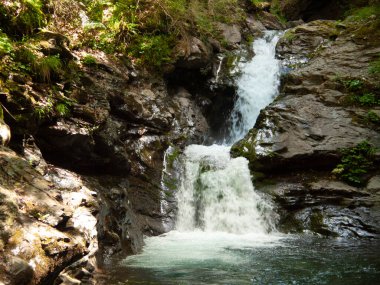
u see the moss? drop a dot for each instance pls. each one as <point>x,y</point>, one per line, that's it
<point>6,46</point>
<point>373,117</point>
<point>89,60</point>
<point>355,163</point>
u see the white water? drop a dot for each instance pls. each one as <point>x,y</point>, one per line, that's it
<point>218,208</point>
<point>258,86</point>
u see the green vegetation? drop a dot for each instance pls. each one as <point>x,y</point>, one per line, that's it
<point>367,99</point>
<point>22,17</point>
<point>373,117</point>
<point>363,13</point>
<point>375,66</point>
<point>353,84</point>
<point>47,66</point>
<point>355,163</point>
<point>6,46</point>
<point>89,60</point>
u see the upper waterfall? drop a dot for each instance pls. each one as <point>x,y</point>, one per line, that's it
<point>257,86</point>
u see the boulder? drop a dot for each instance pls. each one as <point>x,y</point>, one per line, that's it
<point>36,242</point>
<point>193,54</point>
<point>230,33</point>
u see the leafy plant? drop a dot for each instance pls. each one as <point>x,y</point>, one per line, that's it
<point>62,109</point>
<point>47,66</point>
<point>373,117</point>
<point>355,163</point>
<point>368,99</point>
<point>5,44</point>
<point>353,85</point>
<point>375,66</point>
<point>153,50</point>
<point>89,60</point>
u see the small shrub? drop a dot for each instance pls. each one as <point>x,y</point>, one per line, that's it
<point>368,99</point>
<point>153,50</point>
<point>353,85</point>
<point>373,117</point>
<point>375,66</point>
<point>89,60</point>
<point>355,163</point>
<point>47,66</point>
<point>6,46</point>
<point>62,109</point>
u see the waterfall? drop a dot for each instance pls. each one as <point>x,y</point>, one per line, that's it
<point>216,192</point>
<point>257,86</point>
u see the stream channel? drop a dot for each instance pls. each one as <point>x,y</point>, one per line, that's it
<point>225,231</point>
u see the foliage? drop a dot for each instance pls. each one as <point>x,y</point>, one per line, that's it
<point>368,99</point>
<point>364,12</point>
<point>355,163</point>
<point>354,84</point>
<point>375,66</point>
<point>373,117</point>
<point>22,17</point>
<point>43,110</point>
<point>6,46</point>
<point>62,109</point>
<point>89,60</point>
<point>47,66</point>
<point>153,50</point>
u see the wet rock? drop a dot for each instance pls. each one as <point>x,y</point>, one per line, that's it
<point>374,184</point>
<point>306,127</point>
<point>270,21</point>
<point>20,270</point>
<point>255,26</point>
<point>299,44</point>
<point>193,54</point>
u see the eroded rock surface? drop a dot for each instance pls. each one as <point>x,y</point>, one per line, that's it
<point>46,222</point>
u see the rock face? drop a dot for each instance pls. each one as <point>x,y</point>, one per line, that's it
<point>317,113</point>
<point>46,222</point>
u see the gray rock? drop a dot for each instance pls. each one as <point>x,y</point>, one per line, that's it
<point>192,54</point>
<point>374,184</point>
<point>231,33</point>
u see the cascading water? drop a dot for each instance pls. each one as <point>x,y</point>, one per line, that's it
<point>218,208</point>
<point>216,192</point>
<point>224,232</point>
<point>257,86</point>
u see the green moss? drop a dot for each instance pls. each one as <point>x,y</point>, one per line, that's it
<point>153,50</point>
<point>289,35</point>
<point>364,13</point>
<point>373,117</point>
<point>355,163</point>
<point>48,66</point>
<point>6,45</point>
<point>375,66</point>
<point>89,60</point>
